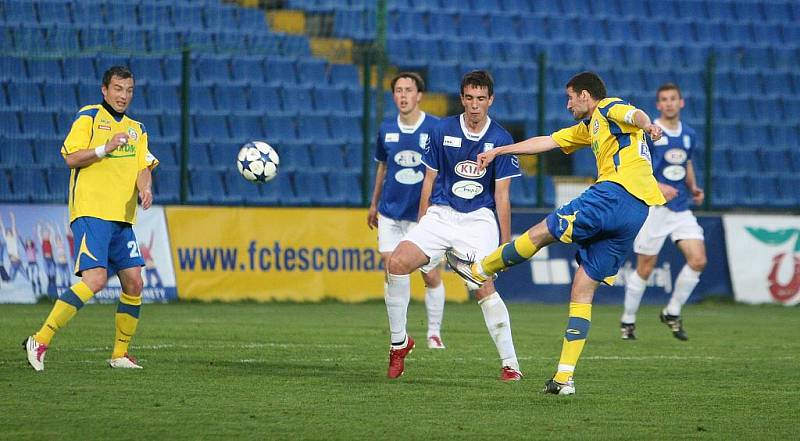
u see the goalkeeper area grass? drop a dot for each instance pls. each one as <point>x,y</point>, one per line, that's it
<point>318,371</point>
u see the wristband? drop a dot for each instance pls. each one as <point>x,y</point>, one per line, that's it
<point>100,151</point>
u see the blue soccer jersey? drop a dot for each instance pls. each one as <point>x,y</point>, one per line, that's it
<point>401,148</point>
<point>453,151</point>
<point>670,155</point>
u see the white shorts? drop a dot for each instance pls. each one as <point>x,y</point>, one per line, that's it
<point>474,234</point>
<point>662,222</point>
<point>391,232</point>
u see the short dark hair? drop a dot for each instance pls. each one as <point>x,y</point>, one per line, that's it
<point>116,71</point>
<point>478,78</point>
<point>413,76</point>
<point>669,86</point>
<point>590,82</point>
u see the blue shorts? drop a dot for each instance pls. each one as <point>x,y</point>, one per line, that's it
<point>604,222</point>
<point>104,244</point>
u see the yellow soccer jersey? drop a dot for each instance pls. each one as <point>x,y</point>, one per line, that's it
<point>619,147</point>
<point>106,189</point>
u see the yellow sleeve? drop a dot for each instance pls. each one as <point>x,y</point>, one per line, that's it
<point>79,137</point>
<point>147,159</point>
<point>572,138</point>
<point>622,114</point>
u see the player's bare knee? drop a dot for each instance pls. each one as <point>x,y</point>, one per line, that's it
<point>697,262</point>
<point>398,264</point>
<point>645,265</point>
<point>95,280</point>
<point>133,287</point>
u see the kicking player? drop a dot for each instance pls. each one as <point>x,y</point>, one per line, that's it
<point>398,181</point>
<point>603,220</point>
<point>457,210</point>
<point>111,164</point>
<point>672,167</point>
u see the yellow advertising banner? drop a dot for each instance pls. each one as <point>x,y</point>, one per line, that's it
<point>237,253</point>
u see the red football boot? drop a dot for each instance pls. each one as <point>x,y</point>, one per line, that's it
<point>397,359</point>
<point>510,374</point>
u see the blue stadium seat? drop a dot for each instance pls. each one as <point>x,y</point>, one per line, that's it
<point>147,68</point>
<point>442,24</point>
<point>165,39</point>
<point>295,46</point>
<point>280,72</point>
<point>721,10</point>
<point>29,184</point>
<point>12,68</point>
<point>251,20</point>
<point>246,126</point>
<point>508,77</point>
<point>17,152</point>
<point>288,192</point>
<point>264,44</point>
<point>346,128</point>
<point>519,195</point>
<point>239,190</point>
<point>9,123</point>
<point>6,193</point>
<point>165,152</point>
<point>785,136</point>
<point>745,159</point>
<point>265,98</point>
<point>60,96</point>
<point>164,97</point>
<point>748,11</point>
<point>206,186</point>
<point>777,11</point>
<point>724,189</point>
<point>311,72</point>
<point>347,185</point>
<point>210,127</point>
<point>20,11</point>
<point>761,190</point>
<point>24,95</point>
<point>58,183</point>
<point>313,129</point>
<point>47,152</point>
<point>456,50</point>
<point>93,37</point>
<point>295,156</point>
<point>62,39</point>
<point>354,101</point>
<point>443,77</point>
<point>228,41</point>
<point>297,99</point>
<point>198,155</point>
<point>398,51</point>
<point>328,158</point>
<point>220,16</point>
<point>212,68</point>
<point>279,129</point>
<point>473,25</point>
<point>200,97</point>
<point>719,158</point>
<point>229,97</point>
<point>775,159</point>
<point>248,68</point>
<point>329,101</point>
<point>407,24</point>
<point>354,157</point>
<point>709,31</point>
<point>504,27</point>
<point>187,17</point>
<point>80,68</point>
<point>121,14</point>
<point>561,28</point>
<point>312,184</point>
<point>39,123</point>
<point>54,12</point>
<point>344,75</point>
<point>167,185</point>
<point>125,40</point>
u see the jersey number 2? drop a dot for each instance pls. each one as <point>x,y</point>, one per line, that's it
<point>134,247</point>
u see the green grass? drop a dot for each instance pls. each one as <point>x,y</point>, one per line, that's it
<point>288,371</point>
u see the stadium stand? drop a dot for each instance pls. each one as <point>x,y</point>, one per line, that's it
<point>249,81</point>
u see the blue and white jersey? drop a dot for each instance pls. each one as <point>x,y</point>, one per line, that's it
<point>670,154</point>
<point>452,153</point>
<point>401,148</point>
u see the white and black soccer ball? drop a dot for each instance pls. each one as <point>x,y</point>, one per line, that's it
<point>258,161</point>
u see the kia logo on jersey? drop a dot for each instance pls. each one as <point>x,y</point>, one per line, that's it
<point>469,169</point>
<point>676,156</point>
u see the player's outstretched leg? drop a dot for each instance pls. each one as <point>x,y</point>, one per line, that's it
<point>498,322</point>
<point>64,309</point>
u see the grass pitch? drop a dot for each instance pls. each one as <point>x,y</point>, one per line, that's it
<point>317,371</point>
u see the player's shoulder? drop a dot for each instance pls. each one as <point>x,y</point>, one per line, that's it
<point>498,129</point>
<point>90,110</point>
<point>134,122</point>
<point>611,100</point>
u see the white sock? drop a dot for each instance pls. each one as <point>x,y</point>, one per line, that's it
<point>634,289</point>
<point>434,304</point>
<point>397,296</point>
<point>684,285</point>
<point>495,314</point>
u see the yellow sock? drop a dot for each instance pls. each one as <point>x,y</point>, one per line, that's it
<point>126,319</point>
<point>580,318</point>
<point>65,308</point>
<point>509,254</point>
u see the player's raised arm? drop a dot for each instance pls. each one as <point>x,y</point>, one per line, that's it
<point>531,146</point>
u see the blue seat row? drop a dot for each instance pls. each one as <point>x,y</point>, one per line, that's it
<point>524,191</point>
<point>32,184</point>
<point>180,15</point>
<point>734,190</point>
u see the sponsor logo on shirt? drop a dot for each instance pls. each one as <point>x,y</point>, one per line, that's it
<point>687,141</point>
<point>674,172</point>
<point>452,141</point>
<point>467,189</point>
<point>391,137</point>
<point>488,146</point>
<point>409,176</point>
<point>595,127</point>
<point>103,127</point>
<point>675,156</point>
<point>408,158</point>
<point>423,141</point>
<point>469,169</point>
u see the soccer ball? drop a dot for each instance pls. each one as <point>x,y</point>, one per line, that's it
<point>258,161</point>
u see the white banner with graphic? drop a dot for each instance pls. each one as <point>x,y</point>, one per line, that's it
<point>764,258</point>
<point>37,255</point>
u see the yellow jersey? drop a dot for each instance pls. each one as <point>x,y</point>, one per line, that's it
<point>619,148</point>
<point>106,189</point>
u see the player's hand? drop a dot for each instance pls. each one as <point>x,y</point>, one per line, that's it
<point>654,131</point>
<point>117,140</point>
<point>698,196</point>
<point>668,191</point>
<point>146,196</point>
<point>372,217</point>
<point>486,158</point>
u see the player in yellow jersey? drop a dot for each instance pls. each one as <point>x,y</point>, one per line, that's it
<point>603,221</point>
<point>111,164</point>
